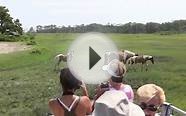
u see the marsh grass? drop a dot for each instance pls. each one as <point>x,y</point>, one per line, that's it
<point>27,81</point>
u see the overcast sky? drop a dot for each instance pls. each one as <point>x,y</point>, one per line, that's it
<point>75,12</point>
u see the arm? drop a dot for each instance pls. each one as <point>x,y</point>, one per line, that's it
<point>129,92</point>
<point>84,89</point>
<point>99,92</point>
<point>87,103</point>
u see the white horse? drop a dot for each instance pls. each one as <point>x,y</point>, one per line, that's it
<point>62,58</point>
<point>140,59</point>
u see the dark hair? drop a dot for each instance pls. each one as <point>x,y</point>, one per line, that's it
<point>68,81</point>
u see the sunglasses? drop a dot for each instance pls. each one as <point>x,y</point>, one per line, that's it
<point>150,107</point>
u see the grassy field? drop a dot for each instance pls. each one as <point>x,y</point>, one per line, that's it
<point>27,80</point>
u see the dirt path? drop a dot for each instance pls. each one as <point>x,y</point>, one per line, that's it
<point>8,47</point>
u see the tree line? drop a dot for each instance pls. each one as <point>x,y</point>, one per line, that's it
<point>10,26</point>
<point>177,26</point>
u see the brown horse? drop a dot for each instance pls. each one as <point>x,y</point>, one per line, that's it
<point>140,59</point>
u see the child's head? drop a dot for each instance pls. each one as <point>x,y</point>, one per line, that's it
<point>116,70</point>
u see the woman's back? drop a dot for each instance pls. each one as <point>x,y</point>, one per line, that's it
<point>81,106</point>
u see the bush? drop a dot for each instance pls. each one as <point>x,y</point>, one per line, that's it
<point>10,38</point>
<point>31,42</point>
<point>39,50</point>
<point>2,37</point>
<point>32,37</point>
<point>36,51</point>
<point>26,37</point>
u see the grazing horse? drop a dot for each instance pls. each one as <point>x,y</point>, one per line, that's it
<point>140,59</point>
<point>62,58</point>
<point>122,56</point>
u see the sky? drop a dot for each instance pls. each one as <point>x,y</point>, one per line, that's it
<point>76,12</point>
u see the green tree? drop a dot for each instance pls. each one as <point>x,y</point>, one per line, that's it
<point>5,19</point>
<point>31,30</point>
<point>7,25</point>
<point>152,27</point>
<point>17,27</point>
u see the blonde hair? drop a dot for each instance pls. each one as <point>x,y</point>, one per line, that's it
<point>149,91</point>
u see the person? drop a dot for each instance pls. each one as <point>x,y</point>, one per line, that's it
<point>116,70</point>
<point>151,97</point>
<point>70,104</point>
<point>113,99</point>
<point>115,103</point>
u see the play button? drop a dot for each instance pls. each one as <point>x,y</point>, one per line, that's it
<point>93,57</point>
<point>88,57</point>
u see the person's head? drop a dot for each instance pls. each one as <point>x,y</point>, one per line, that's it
<point>150,97</point>
<point>68,81</point>
<point>116,70</point>
<point>115,103</point>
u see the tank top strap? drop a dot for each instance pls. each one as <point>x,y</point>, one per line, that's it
<point>71,110</point>
<point>66,107</point>
<point>59,102</point>
<point>76,104</point>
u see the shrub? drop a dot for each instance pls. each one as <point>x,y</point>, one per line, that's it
<point>2,37</point>
<point>39,50</point>
<point>31,42</point>
<point>32,37</point>
<point>36,51</point>
<point>10,38</point>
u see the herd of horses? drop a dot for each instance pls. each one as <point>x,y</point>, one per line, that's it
<point>129,58</point>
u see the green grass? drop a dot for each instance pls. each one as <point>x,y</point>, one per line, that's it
<point>27,81</point>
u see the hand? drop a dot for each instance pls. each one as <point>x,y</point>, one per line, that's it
<point>83,85</point>
<point>100,91</point>
<point>84,89</point>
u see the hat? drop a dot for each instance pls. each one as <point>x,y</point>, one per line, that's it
<point>115,103</point>
<point>115,68</point>
<point>149,91</point>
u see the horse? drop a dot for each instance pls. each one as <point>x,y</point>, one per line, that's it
<point>62,58</point>
<point>140,59</point>
<point>122,56</point>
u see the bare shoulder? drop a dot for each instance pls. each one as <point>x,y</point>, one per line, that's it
<point>52,102</point>
<point>85,99</point>
<point>86,103</point>
<point>54,108</point>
